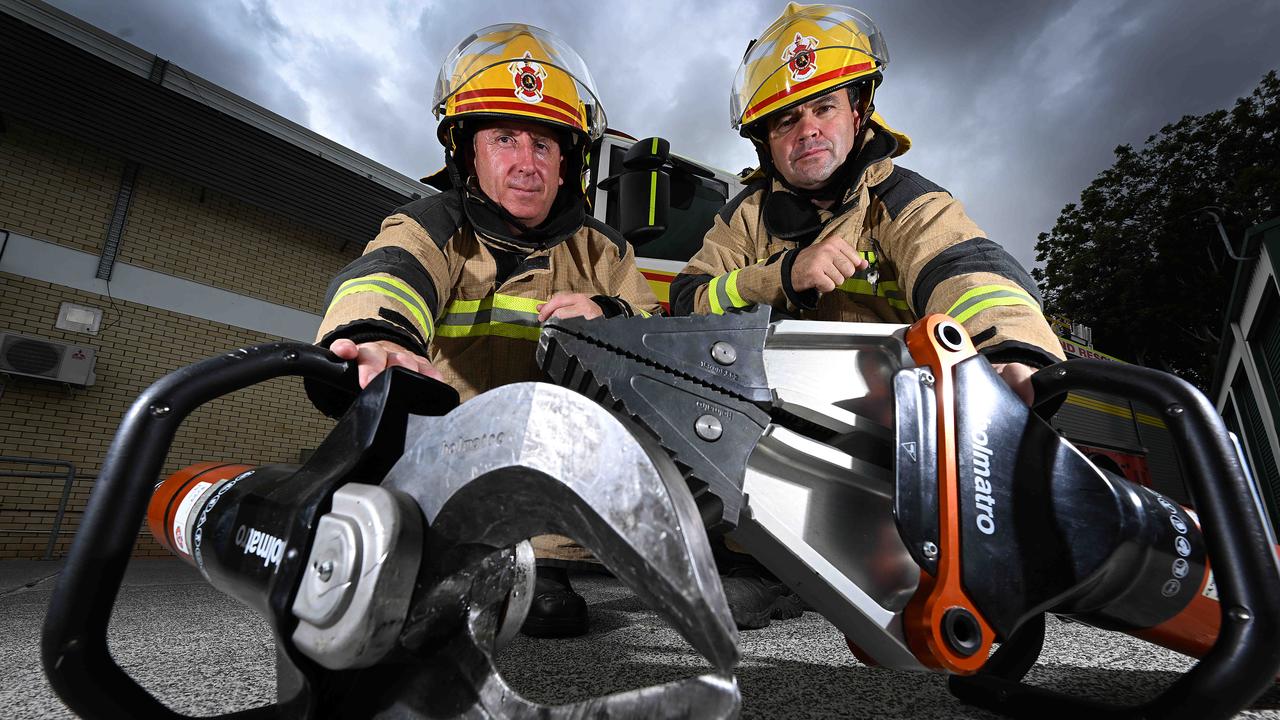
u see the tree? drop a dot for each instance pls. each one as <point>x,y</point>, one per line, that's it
<point>1139,261</point>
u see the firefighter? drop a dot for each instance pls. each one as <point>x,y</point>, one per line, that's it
<point>456,285</point>
<point>830,228</point>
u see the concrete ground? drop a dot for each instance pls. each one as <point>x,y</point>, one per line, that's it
<point>203,653</point>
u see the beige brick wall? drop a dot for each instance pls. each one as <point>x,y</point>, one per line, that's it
<point>269,423</point>
<point>55,188</point>
<point>176,228</point>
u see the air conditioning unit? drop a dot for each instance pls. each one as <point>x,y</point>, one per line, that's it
<point>46,359</point>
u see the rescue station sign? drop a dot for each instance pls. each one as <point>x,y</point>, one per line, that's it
<point>1076,350</point>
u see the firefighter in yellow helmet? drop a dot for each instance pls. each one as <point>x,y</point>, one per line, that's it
<point>457,284</point>
<point>831,228</point>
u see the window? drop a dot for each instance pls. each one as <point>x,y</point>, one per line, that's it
<point>695,200</point>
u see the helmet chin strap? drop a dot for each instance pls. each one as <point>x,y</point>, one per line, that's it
<point>453,158</point>
<point>863,118</point>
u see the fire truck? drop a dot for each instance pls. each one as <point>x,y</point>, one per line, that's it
<point>1126,438</point>
<point>664,203</point>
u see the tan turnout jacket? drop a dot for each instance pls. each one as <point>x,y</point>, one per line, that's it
<point>429,281</point>
<point>925,254</point>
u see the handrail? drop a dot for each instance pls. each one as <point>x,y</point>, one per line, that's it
<point>70,476</point>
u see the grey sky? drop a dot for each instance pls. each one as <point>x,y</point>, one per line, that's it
<point>1012,106</point>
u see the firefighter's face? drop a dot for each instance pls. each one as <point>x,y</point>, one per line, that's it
<point>519,166</point>
<point>808,142</point>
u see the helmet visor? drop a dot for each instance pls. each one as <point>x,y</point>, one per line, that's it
<point>503,63</point>
<point>805,53</point>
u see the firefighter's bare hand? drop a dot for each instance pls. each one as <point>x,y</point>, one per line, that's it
<point>374,357</point>
<point>825,264</point>
<point>567,305</point>
<point>1018,377</point>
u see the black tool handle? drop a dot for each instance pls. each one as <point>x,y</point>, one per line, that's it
<point>74,646</point>
<point>1245,659</point>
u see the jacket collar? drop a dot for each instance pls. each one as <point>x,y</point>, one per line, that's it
<point>492,222</point>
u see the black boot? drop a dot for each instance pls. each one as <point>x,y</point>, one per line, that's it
<point>754,601</point>
<point>556,611</point>
<point>755,595</point>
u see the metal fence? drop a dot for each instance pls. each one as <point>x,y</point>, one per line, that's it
<point>69,479</point>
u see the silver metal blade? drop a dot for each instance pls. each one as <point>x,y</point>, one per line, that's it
<point>819,495</point>
<point>532,458</point>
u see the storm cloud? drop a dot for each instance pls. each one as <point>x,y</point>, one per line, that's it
<point>1013,107</point>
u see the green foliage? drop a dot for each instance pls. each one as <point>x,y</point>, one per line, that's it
<point>1134,259</point>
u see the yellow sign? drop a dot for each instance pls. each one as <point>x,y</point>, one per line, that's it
<point>1081,351</point>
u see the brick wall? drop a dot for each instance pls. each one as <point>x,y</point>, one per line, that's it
<point>56,189</point>
<point>181,229</point>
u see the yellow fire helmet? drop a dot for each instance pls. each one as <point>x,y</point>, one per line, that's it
<point>517,70</point>
<point>807,52</point>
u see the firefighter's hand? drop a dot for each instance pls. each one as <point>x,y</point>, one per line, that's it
<point>1018,377</point>
<point>567,305</point>
<point>374,357</point>
<point>824,265</point>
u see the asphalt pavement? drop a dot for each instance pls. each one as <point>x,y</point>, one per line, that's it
<point>202,653</point>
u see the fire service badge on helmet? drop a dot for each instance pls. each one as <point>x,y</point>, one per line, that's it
<point>801,58</point>
<point>528,76</point>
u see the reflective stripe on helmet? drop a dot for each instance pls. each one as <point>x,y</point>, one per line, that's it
<point>520,71</point>
<point>782,97</point>
<point>807,52</point>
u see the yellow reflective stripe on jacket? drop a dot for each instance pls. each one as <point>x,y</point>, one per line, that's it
<point>501,315</point>
<point>887,290</point>
<point>394,289</point>
<point>723,293</point>
<point>987,296</point>
<point>731,287</point>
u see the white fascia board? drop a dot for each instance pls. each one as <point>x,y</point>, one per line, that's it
<point>53,263</point>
